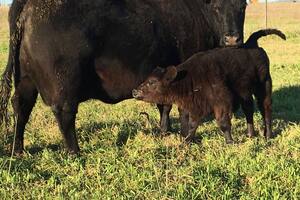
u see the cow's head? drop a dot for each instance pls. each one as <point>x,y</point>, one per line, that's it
<point>227,19</point>
<point>155,88</point>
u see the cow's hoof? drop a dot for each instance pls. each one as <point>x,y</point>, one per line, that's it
<point>74,152</point>
<point>18,152</point>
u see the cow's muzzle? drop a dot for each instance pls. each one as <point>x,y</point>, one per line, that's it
<point>233,39</point>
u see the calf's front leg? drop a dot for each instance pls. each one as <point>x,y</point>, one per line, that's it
<point>184,122</point>
<point>164,111</point>
<point>223,117</point>
<point>193,124</point>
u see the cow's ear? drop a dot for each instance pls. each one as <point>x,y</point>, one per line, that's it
<point>170,74</point>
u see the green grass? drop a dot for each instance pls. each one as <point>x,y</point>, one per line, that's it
<point>149,166</point>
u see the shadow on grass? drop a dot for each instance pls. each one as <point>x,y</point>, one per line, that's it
<point>217,175</point>
<point>36,149</point>
<point>286,107</point>
<point>286,104</point>
<point>6,148</point>
<point>125,130</point>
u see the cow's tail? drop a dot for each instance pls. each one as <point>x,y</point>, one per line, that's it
<point>5,92</point>
<point>6,80</point>
<point>252,41</point>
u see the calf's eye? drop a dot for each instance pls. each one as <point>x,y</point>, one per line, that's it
<point>152,82</point>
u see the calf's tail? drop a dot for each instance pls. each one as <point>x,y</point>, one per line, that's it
<point>12,66</point>
<point>252,41</point>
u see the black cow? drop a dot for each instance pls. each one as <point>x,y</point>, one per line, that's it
<point>217,81</point>
<point>70,51</point>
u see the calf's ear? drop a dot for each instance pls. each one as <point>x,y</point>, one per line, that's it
<point>159,69</point>
<point>170,74</point>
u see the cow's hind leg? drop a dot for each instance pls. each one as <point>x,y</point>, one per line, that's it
<point>65,114</point>
<point>164,111</point>
<point>248,109</point>
<point>23,101</point>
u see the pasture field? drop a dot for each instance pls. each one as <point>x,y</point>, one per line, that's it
<point>122,156</point>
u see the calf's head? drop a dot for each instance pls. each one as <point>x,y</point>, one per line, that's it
<point>155,88</point>
<point>227,19</point>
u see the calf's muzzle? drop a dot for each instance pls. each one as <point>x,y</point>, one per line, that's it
<point>137,94</point>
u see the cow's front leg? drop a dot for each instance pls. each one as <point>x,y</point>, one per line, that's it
<point>65,115</point>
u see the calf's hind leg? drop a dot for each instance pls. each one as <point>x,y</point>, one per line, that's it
<point>248,109</point>
<point>264,101</point>
<point>23,101</point>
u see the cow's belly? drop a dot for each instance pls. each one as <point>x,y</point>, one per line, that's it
<point>54,60</point>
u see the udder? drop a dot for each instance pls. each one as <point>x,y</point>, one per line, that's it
<point>117,79</point>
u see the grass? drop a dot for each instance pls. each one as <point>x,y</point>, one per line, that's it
<point>153,167</point>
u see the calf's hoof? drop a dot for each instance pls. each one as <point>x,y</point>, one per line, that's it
<point>269,136</point>
<point>165,128</point>
<point>251,134</point>
<point>193,139</point>
<point>230,141</point>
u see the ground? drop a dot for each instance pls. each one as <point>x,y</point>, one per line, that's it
<point>153,167</point>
